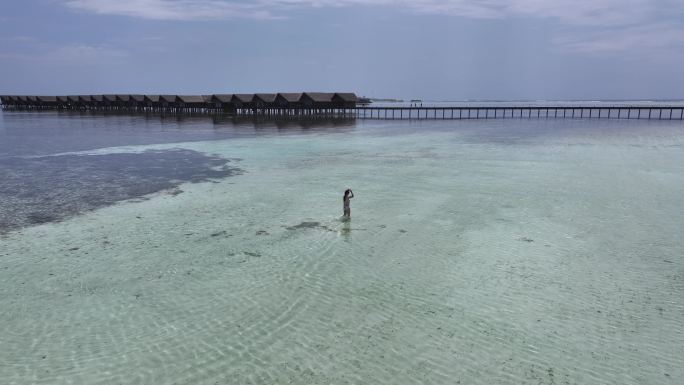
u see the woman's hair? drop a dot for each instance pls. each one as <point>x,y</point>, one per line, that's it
<point>346,192</point>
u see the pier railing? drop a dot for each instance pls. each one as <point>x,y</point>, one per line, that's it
<point>667,112</point>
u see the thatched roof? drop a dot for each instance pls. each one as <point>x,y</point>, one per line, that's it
<point>137,98</point>
<point>152,98</point>
<point>21,98</point>
<point>244,98</point>
<point>207,98</point>
<point>168,98</point>
<point>266,98</point>
<point>347,96</point>
<point>47,99</point>
<point>191,99</point>
<point>291,97</point>
<point>223,98</point>
<point>97,98</point>
<point>85,98</point>
<point>320,97</point>
<point>123,98</point>
<point>72,98</point>
<point>109,98</point>
<point>63,99</point>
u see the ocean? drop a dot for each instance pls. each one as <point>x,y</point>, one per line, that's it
<point>198,250</point>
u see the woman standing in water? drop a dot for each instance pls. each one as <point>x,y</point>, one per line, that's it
<point>348,194</point>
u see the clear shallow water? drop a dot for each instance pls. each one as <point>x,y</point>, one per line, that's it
<point>482,252</point>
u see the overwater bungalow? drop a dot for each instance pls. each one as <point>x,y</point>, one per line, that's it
<point>12,100</point>
<point>264,100</point>
<point>167,101</point>
<point>137,101</point>
<point>266,103</point>
<point>16,101</point>
<point>288,99</point>
<point>222,101</point>
<point>109,101</point>
<point>243,100</point>
<point>190,101</point>
<point>46,101</point>
<point>72,101</point>
<point>344,100</point>
<point>62,101</point>
<point>123,100</point>
<point>151,101</point>
<point>97,101</point>
<point>317,99</point>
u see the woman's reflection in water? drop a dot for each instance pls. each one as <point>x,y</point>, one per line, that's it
<point>345,230</point>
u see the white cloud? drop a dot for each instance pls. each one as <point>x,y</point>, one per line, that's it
<point>659,36</point>
<point>18,39</point>
<point>174,9</point>
<point>590,25</point>
<point>69,55</point>
<point>575,12</point>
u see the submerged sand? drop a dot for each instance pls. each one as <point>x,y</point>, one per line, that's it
<point>477,253</point>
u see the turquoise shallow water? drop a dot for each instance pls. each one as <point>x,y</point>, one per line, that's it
<point>540,252</point>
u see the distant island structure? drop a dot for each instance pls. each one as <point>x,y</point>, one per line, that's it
<point>338,105</point>
<point>385,100</point>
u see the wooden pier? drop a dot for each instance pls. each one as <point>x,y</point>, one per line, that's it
<point>661,112</point>
<point>324,105</point>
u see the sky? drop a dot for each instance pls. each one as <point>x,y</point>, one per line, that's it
<point>420,49</point>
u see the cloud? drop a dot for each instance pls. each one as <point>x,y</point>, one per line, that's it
<point>19,39</point>
<point>69,55</point>
<point>573,12</point>
<point>658,36</point>
<point>174,9</point>
<point>590,25</point>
